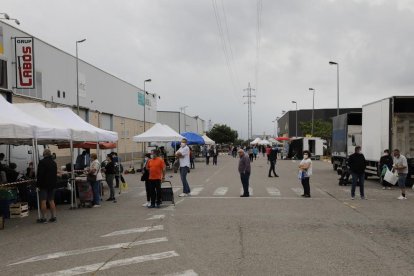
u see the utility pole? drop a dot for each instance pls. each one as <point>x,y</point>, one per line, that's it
<point>249,103</point>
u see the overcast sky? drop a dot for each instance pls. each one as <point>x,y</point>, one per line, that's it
<point>177,43</point>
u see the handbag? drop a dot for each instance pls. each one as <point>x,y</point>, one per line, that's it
<point>90,177</point>
<point>145,175</point>
<point>176,165</point>
<point>390,177</point>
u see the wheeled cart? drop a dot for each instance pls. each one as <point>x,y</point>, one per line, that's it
<point>85,193</point>
<point>167,193</point>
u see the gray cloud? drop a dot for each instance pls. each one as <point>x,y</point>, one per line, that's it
<point>176,43</point>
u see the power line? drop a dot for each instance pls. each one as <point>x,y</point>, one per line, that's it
<point>249,103</point>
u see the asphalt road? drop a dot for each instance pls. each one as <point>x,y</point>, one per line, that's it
<point>215,232</point>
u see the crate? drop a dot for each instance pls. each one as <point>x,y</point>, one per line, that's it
<point>19,210</point>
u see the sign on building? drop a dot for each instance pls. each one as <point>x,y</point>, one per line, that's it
<point>25,70</point>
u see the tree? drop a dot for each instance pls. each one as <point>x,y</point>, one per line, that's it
<point>222,134</point>
<point>321,129</point>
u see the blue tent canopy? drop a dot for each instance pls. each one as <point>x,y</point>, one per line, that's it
<point>192,139</point>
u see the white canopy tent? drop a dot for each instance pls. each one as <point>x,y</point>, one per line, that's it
<point>158,133</point>
<point>264,142</point>
<point>83,131</point>
<point>207,140</point>
<point>19,122</point>
<point>255,141</point>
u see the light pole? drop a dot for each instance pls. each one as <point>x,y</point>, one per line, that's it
<point>77,75</point>
<point>296,128</point>
<point>337,84</point>
<point>145,101</point>
<point>313,107</point>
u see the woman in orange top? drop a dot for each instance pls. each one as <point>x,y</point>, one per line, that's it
<point>156,167</point>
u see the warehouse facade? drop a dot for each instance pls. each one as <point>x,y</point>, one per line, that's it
<point>105,101</point>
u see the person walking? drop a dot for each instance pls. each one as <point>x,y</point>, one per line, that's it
<point>255,152</point>
<point>184,155</point>
<point>386,162</point>
<point>192,165</point>
<point>244,170</point>
<point>215,154</point>
<point>234,152</point>
<point>268,150</point>
<point>357,164</point>
<point>250,151</point>
<point>401,167</point>
<point>109,176</point>
<point>272,160</point>
<point>207,152</point>
<point>156,168</point>
<point>95,169</point>
<point>145,178</point>
<point>46,183</point>
<point>305,171</point>
<point>118,169</point>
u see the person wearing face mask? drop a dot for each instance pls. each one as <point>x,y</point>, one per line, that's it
<point>357,164</point>
<point>305,171</point>
<point>401,167</point>
<point>386,162</point>
<point>145,178</point>
<point>184,155</point>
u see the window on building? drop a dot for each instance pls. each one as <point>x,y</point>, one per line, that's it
<point>64,94</point>
<point>58,93</point>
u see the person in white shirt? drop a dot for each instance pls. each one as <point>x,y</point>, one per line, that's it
<point>401,167</point>
<point>305,171</point>
<point>184,156</point>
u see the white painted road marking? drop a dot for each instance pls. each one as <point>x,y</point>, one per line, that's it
<point>273,191</point>
<point>184,273</point>
<point>156,217</point>
<point>250,191</point>
<point>196,191</point>
<point>112,264</point>
<point>62,254</point>
<point>134,230</point>
<point>298,191</point>
<point>221,191</point>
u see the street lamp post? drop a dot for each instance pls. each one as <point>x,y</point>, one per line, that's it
<point>145,101</point>
<point>296,128</point>
<point>77,75</point>
<point>337,84</point>
<point>145,107</point>
<point>313,108</point>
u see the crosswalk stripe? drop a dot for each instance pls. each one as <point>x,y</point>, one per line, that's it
<point>112,264</point>
<point>62,254</point>
<point>156,217</point>
<point>184,273</point>
<point>273,191</point>
<point>134,230</point>
<point>250,191</point>
<point>221,191</point>
<point>196,191</point>
<point>298,191</point>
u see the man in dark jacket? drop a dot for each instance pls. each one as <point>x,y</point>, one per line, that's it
<point>357,164</point>
<point>244,170</point>
<point>46,182</point>
<point>272,160</point>
<point>386,162</point>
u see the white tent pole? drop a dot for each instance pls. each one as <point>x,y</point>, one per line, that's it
<point>35,159</point>
<point>72,176</point>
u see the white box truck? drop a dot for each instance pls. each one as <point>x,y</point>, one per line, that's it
<point>313,144</point>
<point>388,124</point>
<point>346,134</point>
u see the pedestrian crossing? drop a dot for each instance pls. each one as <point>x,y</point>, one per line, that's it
<point>111,262</point>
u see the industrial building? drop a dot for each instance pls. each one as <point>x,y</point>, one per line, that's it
<point>33,71</point>
<point>287,123</point>
<point>181,122</point>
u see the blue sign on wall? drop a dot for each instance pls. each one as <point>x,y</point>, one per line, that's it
<point>141,99</point>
